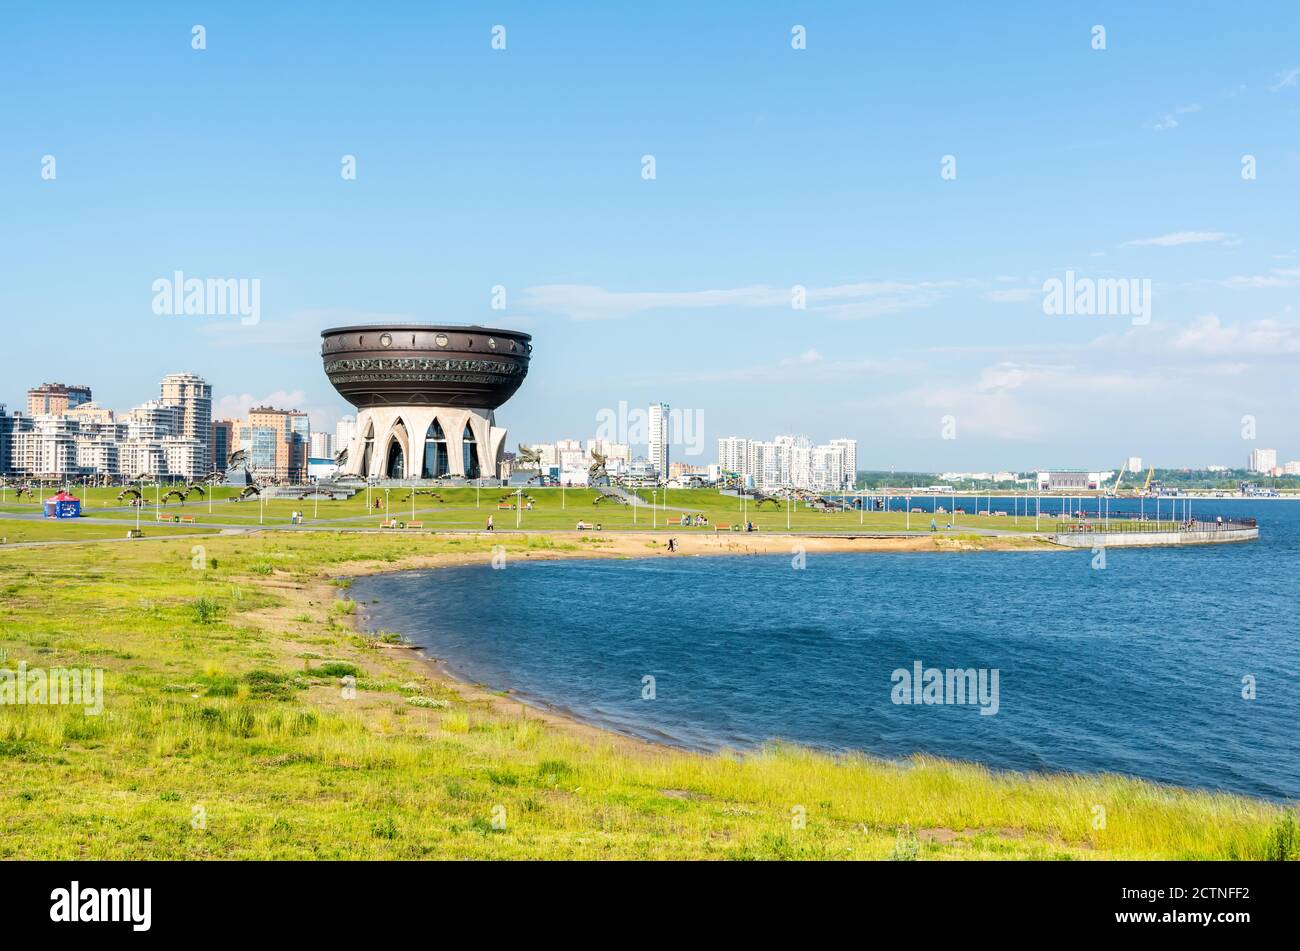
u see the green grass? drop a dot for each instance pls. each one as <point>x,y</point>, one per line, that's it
<point>554,510</point>
<point>17,531</point>
<point>226,734</point>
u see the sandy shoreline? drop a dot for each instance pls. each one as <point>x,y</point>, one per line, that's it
<point>604,545</point>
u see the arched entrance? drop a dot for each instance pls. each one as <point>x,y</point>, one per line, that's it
<point>395,465</point>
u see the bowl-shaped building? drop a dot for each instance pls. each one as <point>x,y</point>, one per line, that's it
<point>426,396</point>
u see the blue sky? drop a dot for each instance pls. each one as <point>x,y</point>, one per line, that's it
<point>775,167</point>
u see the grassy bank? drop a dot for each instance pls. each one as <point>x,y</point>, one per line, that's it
<point>227,733</point>
<point>552,509</point>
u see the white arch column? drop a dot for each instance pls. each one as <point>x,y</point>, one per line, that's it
<point>489,440</point>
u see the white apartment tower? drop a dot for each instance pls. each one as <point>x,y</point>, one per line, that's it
<point>659,435</point>
<point>192,396</point>
<point>1262,460</point>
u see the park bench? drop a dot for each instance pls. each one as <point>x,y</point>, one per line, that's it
<point>415,525</point>
<point>387,523</point>
<point>187,519</point>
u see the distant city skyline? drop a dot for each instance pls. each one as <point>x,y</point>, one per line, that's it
<point>859,238</point>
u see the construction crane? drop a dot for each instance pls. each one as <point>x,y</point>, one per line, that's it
<point>1147,485</point>
<point>1114,489</point>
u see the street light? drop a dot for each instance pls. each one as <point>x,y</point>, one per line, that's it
<point>654,508</point>
<point>519,505</point>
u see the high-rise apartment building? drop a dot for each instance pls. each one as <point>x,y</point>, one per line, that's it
<point>659,436</point>
<point>1262,460</point>
<point>733,455</point>
<point>6,441</point>
<point>278,441</point>
<point>790,461</point>
<point>345,430</point>
<point>849,452</point>
<point>192,396</point>
<point>322,446</point>
<point>225,440</point>
<point>55,399</point>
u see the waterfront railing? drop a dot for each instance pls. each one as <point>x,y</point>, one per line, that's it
<point>1126,525</point>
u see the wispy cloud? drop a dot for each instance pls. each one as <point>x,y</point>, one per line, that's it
<point>1178,238</point>
<point>1278,277</point>
<point>1013,295</point>
<point>840,302</point>
<point>1287,77</point>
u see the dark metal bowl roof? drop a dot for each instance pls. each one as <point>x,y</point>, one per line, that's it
<point>425,364</point>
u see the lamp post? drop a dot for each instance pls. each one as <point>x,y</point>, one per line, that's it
<point>519,505</point>
<point>654,508</point>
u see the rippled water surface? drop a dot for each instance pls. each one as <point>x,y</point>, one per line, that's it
<point>1136,668</point>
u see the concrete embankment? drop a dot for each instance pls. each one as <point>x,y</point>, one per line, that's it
<point>1133,539</point>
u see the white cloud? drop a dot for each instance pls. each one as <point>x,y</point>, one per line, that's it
<point>1278,277</point>
<point>1014,295</point>
<point>1287,77</point>
<point>236,406</point>
<point>1165,124</point>
<point>808,356</point>
<point>1210,336</point>
<point>841,302</point>
<point>1179,238</point>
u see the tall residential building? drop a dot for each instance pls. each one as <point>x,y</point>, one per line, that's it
<point>6,441</point>
<point>849,450</point>
<point>791,461</point>
<point>659,436</point>
<point>55,399</point>
<point>1262,460</point>
<point>733,455</point>
<point>345,430</point>
<point>225,440</point>
<point>192,396</point>
<point>278,441</point>
<point>322,446</point>
<point>618,455</point>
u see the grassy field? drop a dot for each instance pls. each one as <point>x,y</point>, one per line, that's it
<point>17,531</point>
<point>227,733</point>
<point>553,510</point>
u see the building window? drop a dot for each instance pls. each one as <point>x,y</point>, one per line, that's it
<point>470,451</point>
<point>436,461</point>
